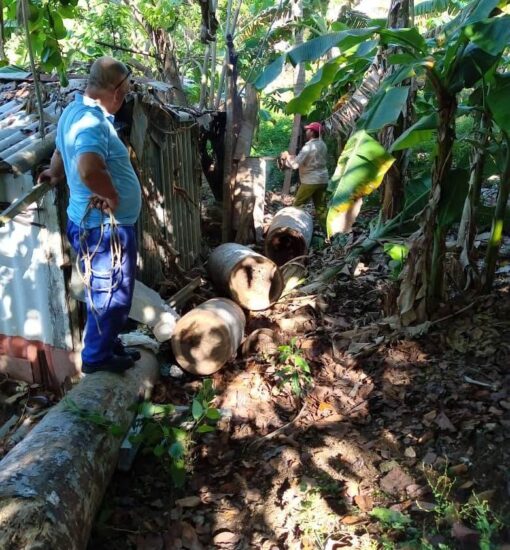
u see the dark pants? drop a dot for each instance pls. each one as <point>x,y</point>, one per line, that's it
<point>111,290</point>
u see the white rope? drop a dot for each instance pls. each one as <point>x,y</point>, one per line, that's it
<point>86,256</point>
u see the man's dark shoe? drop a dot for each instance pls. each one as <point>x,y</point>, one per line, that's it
<point>117,364</point>
<point>121,351</point>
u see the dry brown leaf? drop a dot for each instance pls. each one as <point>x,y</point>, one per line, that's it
<point>444,422</point>
<point>458,469</point>
<point>189,537</point>
<point>468,538</point>
<point>364,502</point>
<point>188,502</point>
<point>395,481</point>
<point>410,452</point>
<point>351,520</point>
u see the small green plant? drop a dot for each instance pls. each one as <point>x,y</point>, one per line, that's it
<point>398,254</point>
<point>293,368</point>
<point>169,434</point>
<point>93,417</point>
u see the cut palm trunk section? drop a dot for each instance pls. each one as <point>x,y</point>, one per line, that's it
<point>252,280</point>
<point>208,336</point>
<point>289,235</point>
<point>53,481</point>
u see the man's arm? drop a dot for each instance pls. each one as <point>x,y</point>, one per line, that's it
<point>94,174</point>
<point>55,173</point>
<point>295,161</point>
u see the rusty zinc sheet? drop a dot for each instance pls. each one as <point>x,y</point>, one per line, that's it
<point>165,143</point>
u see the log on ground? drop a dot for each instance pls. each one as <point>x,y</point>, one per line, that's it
<point>252,280</point>
<point>208,336</point>
<point>289,235</point>
<point>53,481</point>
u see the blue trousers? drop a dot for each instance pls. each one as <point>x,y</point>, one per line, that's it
<point>111,290</point>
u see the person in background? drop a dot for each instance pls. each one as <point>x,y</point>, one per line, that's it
<point>104,205</point>
<point>313,173</point>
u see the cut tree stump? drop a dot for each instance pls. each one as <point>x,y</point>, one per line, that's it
<point>250,279</point>
<point>208,336</point>
<point>53,481</point>
<point>289,235</point>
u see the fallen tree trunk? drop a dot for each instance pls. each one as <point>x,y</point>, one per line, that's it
<point>208,336</point>
<point>289,235</point>
<point>53,481</point>
<point>253,281</point>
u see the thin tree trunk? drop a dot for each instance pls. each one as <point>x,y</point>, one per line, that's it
<point>166,50</point>
<point>203,78</point>
<point>498,222</point>
<point>229,148</point>
<point>299,84</point>
<point>37,84</point>
<point>422,278</point>
<point>3,57</point>
<point>467,227</point>
<point>213,75</point>
<point>392,188</point>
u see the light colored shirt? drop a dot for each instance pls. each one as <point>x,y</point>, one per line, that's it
<point>312,162</point>
<point>85,127</point>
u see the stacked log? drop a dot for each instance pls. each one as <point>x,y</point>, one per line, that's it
<point>250,279</point>
<point>289,235</point>
<point>208,336</point>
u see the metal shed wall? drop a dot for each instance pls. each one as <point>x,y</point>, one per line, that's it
<point>166,147</point>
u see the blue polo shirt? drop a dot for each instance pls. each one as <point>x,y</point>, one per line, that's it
<point>85,127</point>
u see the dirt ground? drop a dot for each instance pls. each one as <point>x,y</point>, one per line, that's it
<point>402,441</point>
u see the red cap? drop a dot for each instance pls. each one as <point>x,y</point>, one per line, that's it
<point>315,126</point>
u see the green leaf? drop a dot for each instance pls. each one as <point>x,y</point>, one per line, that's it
<point>116,430</point>
<point>404,37</point>
<point>270,73</point>
<point>452,198</point>
<point>158,451</point>
<point>389,517</point>
<point>418,133</point>
<point>491,35</point>
<point>196,409</point>
<point>58,26</point>
<point>205,428</point>
<point>180,434</point>
<point>396,251</point>
<point>360,169</point>
<point>498,100</point>
<point>213,414</point>
<point>178,472</point>
<point>384,108</point>
<point>317,47</point>
<point>401,59</point>
<point>176,450</point>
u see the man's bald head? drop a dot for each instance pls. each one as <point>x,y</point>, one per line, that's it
<point>106,73</point>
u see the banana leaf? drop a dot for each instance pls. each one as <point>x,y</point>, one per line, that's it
<point>384,108</point>
<point>418,133</point>
<point>312,50</point>
<point>360,170</point>
<point>491,35</point>
<point>473,64</point>
<point>498,100</point>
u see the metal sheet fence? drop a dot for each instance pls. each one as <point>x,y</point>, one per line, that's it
<point>170,174</point>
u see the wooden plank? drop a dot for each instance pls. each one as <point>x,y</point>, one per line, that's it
<point>23,202</point>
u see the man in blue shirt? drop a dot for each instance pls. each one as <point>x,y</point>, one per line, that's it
<point>104,204</point>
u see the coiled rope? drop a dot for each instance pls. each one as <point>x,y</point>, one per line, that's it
<point>85,258</point>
